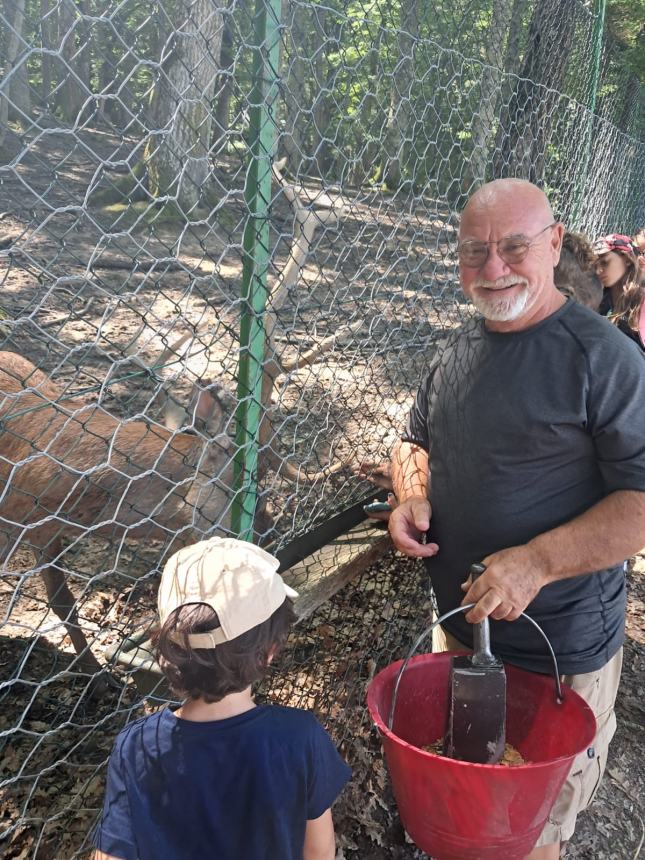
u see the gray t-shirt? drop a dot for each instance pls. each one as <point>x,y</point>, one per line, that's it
<point>525,431</point>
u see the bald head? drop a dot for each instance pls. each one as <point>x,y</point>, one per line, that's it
<point>512,289</point>
<point>509,195</point>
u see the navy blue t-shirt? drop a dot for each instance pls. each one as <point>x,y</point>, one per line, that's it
<point>242,788</point>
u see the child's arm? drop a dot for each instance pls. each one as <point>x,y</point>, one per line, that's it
<point>320,842</point>
<point>99,855</point>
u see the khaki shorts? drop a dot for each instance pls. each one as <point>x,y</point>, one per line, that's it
<point>599,690</point>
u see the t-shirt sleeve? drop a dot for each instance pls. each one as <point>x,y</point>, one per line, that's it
<point>416,430</point>
<point>113,835</point>
<point>327,772</point>
<point>616,411</point>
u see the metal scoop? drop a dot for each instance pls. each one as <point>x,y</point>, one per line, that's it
<point>477,720</point>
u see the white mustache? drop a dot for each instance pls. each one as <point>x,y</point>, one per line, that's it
<point>499,284</point>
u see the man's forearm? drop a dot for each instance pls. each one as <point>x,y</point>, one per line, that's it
<point>606,534</point>
<point>409,471</point>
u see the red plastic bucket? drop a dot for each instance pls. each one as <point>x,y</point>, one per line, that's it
<point>456,810</point>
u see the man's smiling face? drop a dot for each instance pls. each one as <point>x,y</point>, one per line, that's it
<point>511,295</point>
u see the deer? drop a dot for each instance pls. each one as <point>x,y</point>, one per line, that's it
<point>68,467</point>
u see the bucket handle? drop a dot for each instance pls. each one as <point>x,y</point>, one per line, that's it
<point>556,675</point>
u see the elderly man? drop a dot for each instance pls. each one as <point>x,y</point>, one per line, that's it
<point>525,450</point>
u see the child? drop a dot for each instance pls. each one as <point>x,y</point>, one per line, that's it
<point>221,777</point>
<point>624,291</point>
<point>575,274</point>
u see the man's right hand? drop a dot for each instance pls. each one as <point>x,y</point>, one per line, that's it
<point>408,524</point>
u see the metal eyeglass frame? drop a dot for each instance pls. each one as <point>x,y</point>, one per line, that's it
<point>529,240</point>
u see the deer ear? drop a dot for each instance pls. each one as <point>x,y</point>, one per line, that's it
<point>211,406</point>
<point>205,405</point>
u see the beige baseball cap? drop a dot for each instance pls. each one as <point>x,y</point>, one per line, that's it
<point>239,580</point>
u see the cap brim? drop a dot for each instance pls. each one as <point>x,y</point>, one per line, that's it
<point>290,592</point>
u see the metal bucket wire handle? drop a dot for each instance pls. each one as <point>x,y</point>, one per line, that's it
<point>558,686</point>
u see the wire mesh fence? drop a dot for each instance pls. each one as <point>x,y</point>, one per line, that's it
<point>128,244</point>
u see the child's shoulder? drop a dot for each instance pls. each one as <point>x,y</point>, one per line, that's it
<point>307,741</point>
<point>292,717</point>
<point>302,725</point>
<point>137,728</point>
<point>313,752</point>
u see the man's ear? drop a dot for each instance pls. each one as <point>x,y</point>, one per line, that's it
<point>557,235</point>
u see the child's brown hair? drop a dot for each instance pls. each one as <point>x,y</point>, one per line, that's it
<point>213,673</point>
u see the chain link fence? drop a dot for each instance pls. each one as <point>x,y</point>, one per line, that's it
<point>163,166</point>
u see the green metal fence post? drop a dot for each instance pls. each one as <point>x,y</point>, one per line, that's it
<point>596,49</point>
<point>262,139</point>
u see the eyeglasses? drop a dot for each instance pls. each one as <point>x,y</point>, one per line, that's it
<point>512,249</point>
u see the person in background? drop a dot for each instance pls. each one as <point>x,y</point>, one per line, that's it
<point>623,301</point>
<point>221,776</point>
<point>639,241</point>
<point>575,275</point>
<point>525,451</point>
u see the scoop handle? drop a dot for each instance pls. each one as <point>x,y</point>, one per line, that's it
<point>482,655</point>
<point>423,636</point>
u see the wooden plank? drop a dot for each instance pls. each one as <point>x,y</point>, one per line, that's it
<point>323,573</point>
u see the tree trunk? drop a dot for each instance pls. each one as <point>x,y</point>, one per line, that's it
<point>525,127</point>
<point>14,87</point>
<point>224,89</point>
<point>512,57</point>
<point>84,56</point>
<point>323,77</point>
<point>294,85</point>
<point>20,94</point>
<point>110,110</point>
<point>71,92</point>
<point>46,25</point>
<point>398,124</point>
<point>484,117</point>
<point>372,116</point>
<point>370,104</point>
<point>177,152</point>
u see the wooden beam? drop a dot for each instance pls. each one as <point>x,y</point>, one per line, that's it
<point>317,578</point>
<point>322,574</point>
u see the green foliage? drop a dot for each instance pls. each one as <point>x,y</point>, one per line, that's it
<point>626,23</point>
<point>364,83</point>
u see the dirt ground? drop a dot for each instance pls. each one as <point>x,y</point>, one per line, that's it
<point>57,737</point>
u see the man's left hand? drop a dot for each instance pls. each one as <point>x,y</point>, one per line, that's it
<point>512,579</point>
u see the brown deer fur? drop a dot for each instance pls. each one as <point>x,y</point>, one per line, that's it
<point>68,467</point>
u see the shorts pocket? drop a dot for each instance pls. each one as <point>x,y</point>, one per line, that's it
<point>590,778</point>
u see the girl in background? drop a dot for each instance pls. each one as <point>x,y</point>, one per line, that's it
<point>623,301</point>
